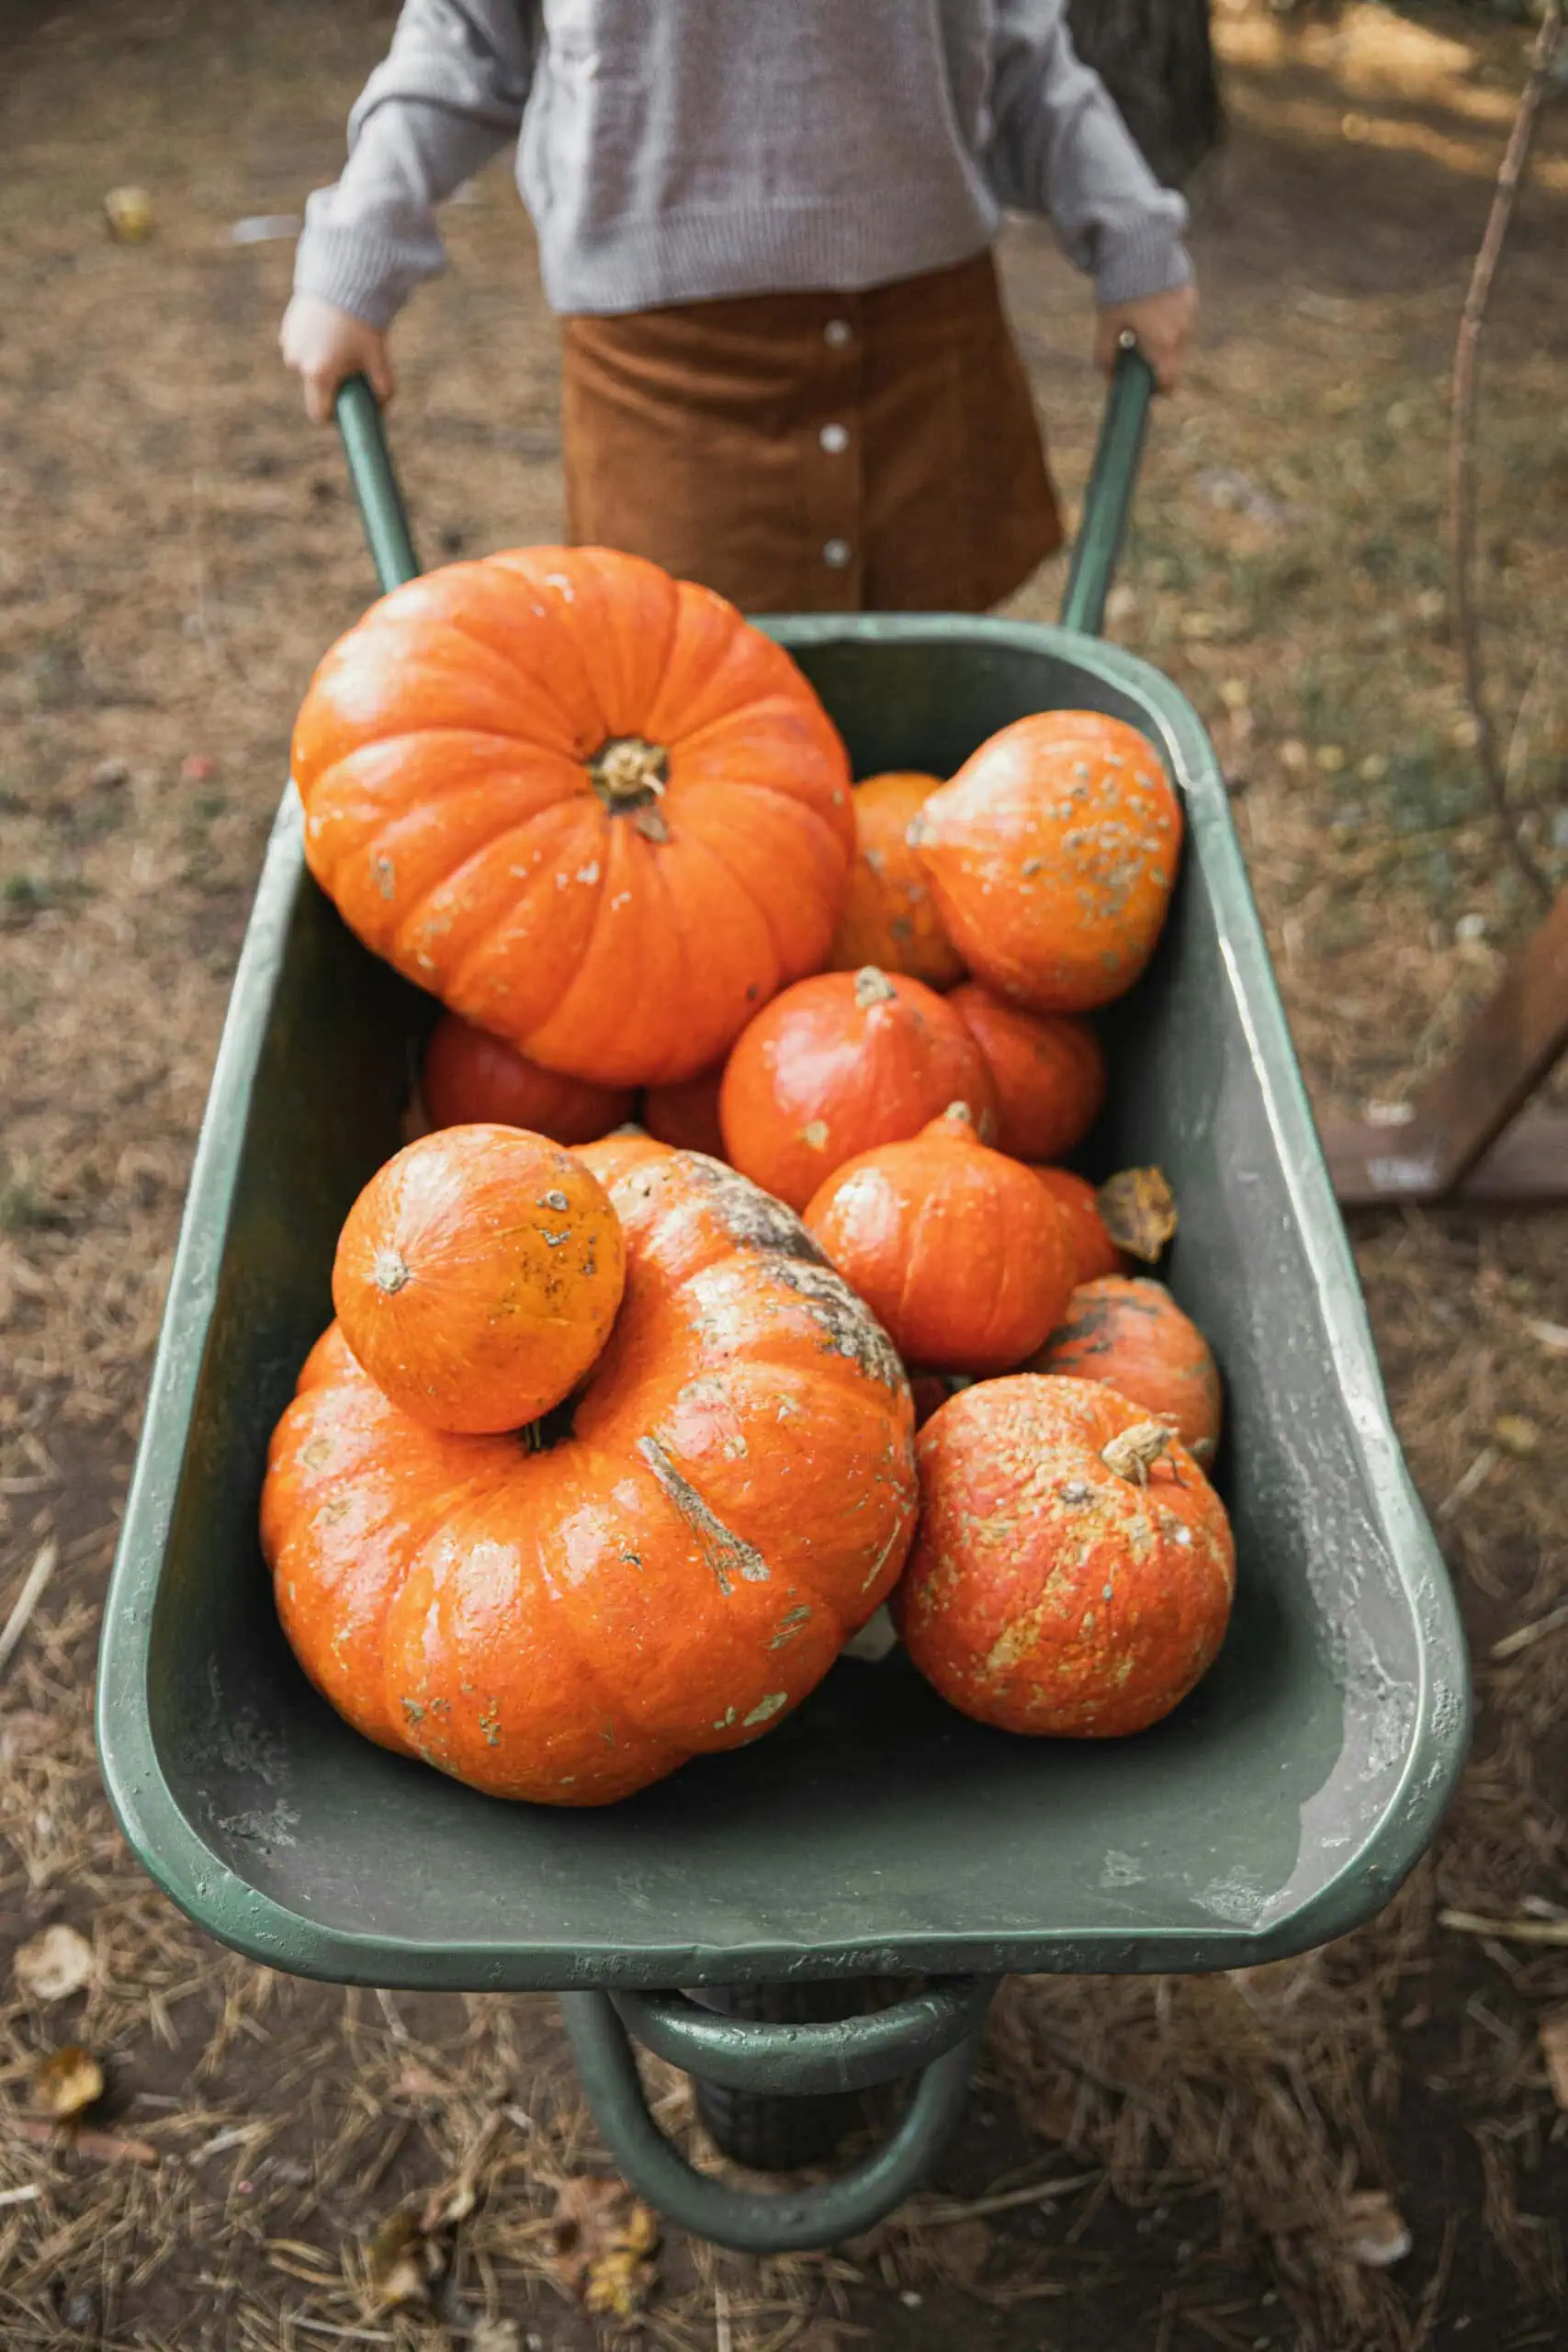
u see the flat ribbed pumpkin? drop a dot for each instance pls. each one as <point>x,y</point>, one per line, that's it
<point>889,919</point>
<point>1075,1569</point>
<point>838,1064</point>
<point>1047,1070</point>
<point>1052,855</point>
<point>586,804</point>
<point>1130,1334</point>
<point>469,1077</point>
<point>734,1497</point>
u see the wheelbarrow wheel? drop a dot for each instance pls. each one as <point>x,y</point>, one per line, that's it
<point>772,2132</point>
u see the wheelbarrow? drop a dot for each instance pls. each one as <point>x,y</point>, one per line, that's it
<point>741,1918</point>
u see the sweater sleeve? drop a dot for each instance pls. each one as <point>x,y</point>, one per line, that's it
<point>450,94</point>
<point>1060,147</point>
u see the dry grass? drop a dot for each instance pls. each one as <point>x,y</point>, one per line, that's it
<point>174,550</point>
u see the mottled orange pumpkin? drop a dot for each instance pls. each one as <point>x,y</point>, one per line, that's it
<point>959,1252</point>
<point>469,1077</point>
<point>567,1623</point>
<point>1075,1569</point>
<point>686,1115</point>
<point>1047,1070</point>
<point>889,919</point>
<point>1052,855</point>
<point>838,1064</point>
<point>1094,1250</point>
<point>1130,1333</point>
<point>613,1156</point>
<point>586,804</point>
<point>476,1277</point>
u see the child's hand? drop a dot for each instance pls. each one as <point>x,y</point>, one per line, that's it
<point>325,346</point>
<point>1163,324</point>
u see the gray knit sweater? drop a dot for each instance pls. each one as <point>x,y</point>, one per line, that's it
<point>671,151</point>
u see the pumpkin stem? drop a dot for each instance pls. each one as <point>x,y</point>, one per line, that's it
<point>627,772</point>
<point>1130,1455</point>
<point>391,1272</point>
<point>873,986</point>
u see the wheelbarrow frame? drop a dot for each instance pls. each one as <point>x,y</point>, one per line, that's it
<point>1383,1648</point>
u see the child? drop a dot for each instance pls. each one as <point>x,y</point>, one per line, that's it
<point>767,226</point>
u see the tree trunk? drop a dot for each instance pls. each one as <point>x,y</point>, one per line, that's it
<point>1157,62</point>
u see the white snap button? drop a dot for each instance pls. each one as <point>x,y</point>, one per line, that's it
<point>837,333</point>
<point>837,554</point>
<point>835,439</point>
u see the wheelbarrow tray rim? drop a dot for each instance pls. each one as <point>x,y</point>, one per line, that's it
<point>209,1883</point>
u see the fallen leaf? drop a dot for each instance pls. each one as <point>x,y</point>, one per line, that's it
<point>963,2250</point>
<point>1139,1210</point>
<point>400,2260</point>
<point>1517,1434</point>
<point>604,2244</point>
<point>496,2335</point>
<point>55,1964</point>
<point>1553,2032</point>
<point>129,211</point>
<point>1374,2232</point>
<point>67,2081</point>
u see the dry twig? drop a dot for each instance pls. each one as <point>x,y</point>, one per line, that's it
<point>1461,446</point>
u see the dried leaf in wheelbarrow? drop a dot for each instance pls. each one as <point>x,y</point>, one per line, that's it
<point>1138,1209</point>
<point>606,2243</point>
<point>403,2264</point>
<point>66,2081</point>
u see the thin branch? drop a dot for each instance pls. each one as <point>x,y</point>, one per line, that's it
<point>1461,446</point>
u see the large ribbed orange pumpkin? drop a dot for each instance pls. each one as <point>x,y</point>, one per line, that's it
<point>1052,855</point>
<point>838,1064</point>
<point>586,804</point>
<point>1048,1070</point>
<point>961,1252</point>
<point>734,1498</point>
<point>1075,1569</point>
<point>468,1076</point>
<point>1130,1333</point>
<point>888,919</point>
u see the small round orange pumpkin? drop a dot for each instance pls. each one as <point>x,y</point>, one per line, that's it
<point>685,1115</point>
<point>1051,856</point>
<point>1048,1069</point>
<point>889,919</point>
<point>586,804</point>
<point>469,1078</point>
<point>569,1620</point>
<point>838,1064</point>
<point>959,1252</point>
<point>613,1156</point>
<point>1095,1252</point>
<point>476,1277</point>
<point>1130,1333</point>
<point>1074,1570</point>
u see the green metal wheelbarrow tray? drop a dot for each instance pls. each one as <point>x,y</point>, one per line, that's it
<point>875,1837</point>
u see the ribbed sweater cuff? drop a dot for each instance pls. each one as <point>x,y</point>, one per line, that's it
<point>355,270</point>
<point>1137,262</point>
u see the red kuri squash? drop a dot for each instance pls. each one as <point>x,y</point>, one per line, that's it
<point>668,1578</point>
<point>478,1276</point>
<point>585,804</point>
<point>1074,1570</point>
<point>889,919</point>
<point>1048,1070</point>
<point>1095,1252</point>
<point>959,1252</point>
<point>1130,1333</point>
<point>838,1064</point>
<point>1052,855</point>
<point>469,1077</point>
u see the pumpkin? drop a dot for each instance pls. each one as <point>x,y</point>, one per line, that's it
<point>888,919</point>
<point>1130,1333</point>
<point>1095,1252</point>
<point>614,1154</point>
<point>584,804</point>
<point>836,1065</point>
<point>1052,855</point>
<point>1074,1570</point>
<point>686,1115</point>
<point>468,1078</point>
<point>1047,1070</point>
<point>476,1277</point>
<point>668,1567</point>
<point>961,1252</point>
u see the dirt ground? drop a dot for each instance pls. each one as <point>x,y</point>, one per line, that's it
<point>1170,2165</point>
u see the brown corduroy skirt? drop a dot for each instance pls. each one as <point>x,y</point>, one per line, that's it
<point>814,452</point>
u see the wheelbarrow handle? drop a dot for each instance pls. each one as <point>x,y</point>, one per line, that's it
<point>1108,498</point>
<point>375,486</point>
<point>782,2221</point>
<point>844,2054</point>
